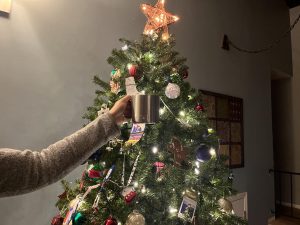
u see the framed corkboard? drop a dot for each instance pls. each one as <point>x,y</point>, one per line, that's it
<point>226,118</point>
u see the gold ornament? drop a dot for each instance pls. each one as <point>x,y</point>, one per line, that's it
<point>158,18</point>
<point>135,218</point>
<point>115,87</point>
<point>225,205</point>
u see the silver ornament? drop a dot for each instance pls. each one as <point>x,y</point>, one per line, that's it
<point>172,91</point>
<point>135,218</point>
<point>225,205</point>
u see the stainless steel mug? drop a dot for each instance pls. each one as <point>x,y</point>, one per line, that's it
<point>145,108</point>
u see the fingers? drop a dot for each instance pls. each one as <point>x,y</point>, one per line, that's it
<point>125,99</point>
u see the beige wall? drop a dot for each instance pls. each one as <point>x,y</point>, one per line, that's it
<point>50,49</point>
<point>286,108</point>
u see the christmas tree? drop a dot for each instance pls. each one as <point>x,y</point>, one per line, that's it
<point>166,173</point>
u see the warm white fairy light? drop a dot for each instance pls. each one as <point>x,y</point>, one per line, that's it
<point>197,171</point>
<point>119,223</point>
<point>210,130</point>
<point>136,184</point>
<point>173,189</point>
<point>212,152</point>
<point>154,150</point>
<point>144,190</point>
<point>162,111</point>
<point>143,92</point>
<point>182,113</point>
<point>125,47</point>
<point>172,210</point>
<point>183,193</point>
<point>197,164</point>
<point>129,65</point>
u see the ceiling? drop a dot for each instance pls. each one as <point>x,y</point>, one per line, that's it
<point>293,3</point>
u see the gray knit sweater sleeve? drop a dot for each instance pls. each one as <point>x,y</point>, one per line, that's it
<point>25,171</point>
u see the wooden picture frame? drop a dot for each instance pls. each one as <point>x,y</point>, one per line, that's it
<point>226,116</point>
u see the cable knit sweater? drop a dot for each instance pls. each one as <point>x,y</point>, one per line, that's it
<point>26,171</point>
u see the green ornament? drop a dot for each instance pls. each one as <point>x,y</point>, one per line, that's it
<point>78,219</point>
<point>113,72</point>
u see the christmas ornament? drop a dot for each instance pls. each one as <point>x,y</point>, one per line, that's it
<point>179,153</point>
<point>73,206</point>
<point>114,87</point>
<point>185,74</point>
<point>136,133</point>
<point>129,194</point>
<point>188,205</point>
<point>225,205</point>
<point>199,108</point>
<point>158,18</point>
<point>132,69</point>
<point>115,73</point>
<point>158,166</point>
<point>172,91</point>
<point>111,221</point>
<point>95,172</point>
<point>131,86</point>
<point>57,220</point>
<point>107,177</point>
<point>78,219</point>
<point>135,218</point>
<point>203,153</point>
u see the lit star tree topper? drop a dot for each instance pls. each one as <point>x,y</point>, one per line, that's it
<point>158,19</point>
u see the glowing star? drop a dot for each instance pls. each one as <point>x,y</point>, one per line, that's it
<point>158,18</point>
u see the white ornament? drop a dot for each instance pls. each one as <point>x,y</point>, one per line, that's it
<point>172,91</point>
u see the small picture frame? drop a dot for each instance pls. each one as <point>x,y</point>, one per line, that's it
<point>187,208</point>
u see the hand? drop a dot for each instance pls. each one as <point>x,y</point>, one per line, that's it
<point>117,111</point>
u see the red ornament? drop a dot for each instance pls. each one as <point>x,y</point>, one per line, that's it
<point>129,194</point>
<point>111,221</point>
<point>185,74</point>
<point>57,220</point>
<point>199,108</point>
<point>132,69</point>
<point>159,166</point>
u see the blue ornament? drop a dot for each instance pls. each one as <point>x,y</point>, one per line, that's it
<point>203,154</point>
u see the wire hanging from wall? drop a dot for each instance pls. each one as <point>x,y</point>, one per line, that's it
<point>227,43</point>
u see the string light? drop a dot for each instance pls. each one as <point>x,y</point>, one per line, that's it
<point>182,113</point>
<point>162,111</point>
<point>197,164</point>
<point>212,152</point>
<point>129,65</point>
<point>125,47</point>
<point>210,130</point>
<point>144,190</point>
<point>172,210</point>
<point>197,171</point>
<point>154,150</point>
<point>136,184</point>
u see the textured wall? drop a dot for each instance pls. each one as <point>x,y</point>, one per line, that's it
<point>49,51</point>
